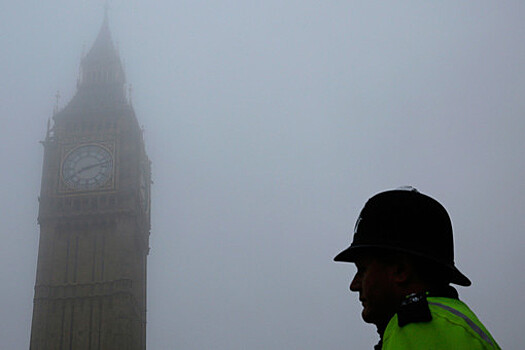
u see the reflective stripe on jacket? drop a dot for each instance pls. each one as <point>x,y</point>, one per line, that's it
<point>453,326</point>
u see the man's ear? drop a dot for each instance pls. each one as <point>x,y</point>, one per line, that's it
<point>403,270</point>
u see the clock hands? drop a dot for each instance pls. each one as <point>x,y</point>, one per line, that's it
<point>87,167</point>
<point>91,166</point>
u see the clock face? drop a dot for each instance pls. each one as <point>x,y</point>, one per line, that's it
<point>87,167</point>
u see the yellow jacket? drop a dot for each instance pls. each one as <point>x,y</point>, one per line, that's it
<point>453,326</point>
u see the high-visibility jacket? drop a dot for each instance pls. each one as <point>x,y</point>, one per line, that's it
<point>453,326</point>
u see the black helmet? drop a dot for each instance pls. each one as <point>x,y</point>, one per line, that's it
<point>408,221</point>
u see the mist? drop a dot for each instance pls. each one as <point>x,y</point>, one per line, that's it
<point>269,124</point>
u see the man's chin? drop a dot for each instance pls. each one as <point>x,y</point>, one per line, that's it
<point>369,317</point>
<point>365,314</point>
<point>379,322</point>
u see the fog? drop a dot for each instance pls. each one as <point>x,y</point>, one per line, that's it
<point>269,124</point>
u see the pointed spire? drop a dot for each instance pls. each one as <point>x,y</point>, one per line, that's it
<point>102,78</point>
<point>103,46</point>
<point>106,10</point>
<point>102,63</point>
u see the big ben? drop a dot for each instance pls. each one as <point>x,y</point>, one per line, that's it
<point>94,216</point>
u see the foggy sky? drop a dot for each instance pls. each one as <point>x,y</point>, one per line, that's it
<point>269,124</point>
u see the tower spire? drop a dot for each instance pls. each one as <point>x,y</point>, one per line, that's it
<point>102,77</point>
<point>106,10</point>
<point>102,62</point>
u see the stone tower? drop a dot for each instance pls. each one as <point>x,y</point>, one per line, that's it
<point>94,216</point>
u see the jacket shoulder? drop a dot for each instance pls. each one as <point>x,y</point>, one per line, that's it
<point>453,325</point>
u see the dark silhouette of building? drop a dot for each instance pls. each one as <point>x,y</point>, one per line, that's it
<point>94,216</point>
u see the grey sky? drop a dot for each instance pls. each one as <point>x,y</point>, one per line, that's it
<point>269,124</point>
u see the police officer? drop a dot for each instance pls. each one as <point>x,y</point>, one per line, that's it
<point>404,254</point>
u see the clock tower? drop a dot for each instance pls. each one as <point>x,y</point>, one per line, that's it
<point>94,216</point>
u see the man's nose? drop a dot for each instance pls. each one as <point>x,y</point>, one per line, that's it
<point>355,285</point>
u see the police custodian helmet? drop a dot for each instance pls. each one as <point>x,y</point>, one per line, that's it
<point>408,221</point>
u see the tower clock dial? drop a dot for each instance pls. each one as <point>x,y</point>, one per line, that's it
<point>87,167</point>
